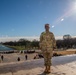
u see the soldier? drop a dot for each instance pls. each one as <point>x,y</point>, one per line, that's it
<point>47,45</point>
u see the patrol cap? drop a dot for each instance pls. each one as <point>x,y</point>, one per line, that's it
<point>47,25</point>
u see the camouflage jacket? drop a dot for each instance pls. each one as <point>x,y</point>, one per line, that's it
<point>47,40</point>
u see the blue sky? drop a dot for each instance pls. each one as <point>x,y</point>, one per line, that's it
<point>27,17</point>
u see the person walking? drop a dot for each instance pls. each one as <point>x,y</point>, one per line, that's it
<point>26,57</point>
<point>18,59</point>
<point>2,57</point>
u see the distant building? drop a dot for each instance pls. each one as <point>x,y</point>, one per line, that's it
<point>65,37</point>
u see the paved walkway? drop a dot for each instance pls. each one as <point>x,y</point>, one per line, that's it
<point>63,65</point>
<point>13,57</point>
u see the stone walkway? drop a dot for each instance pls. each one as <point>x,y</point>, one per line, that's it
<point>13,57</point>
<point>63,65</point>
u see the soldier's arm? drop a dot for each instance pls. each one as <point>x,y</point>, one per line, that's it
<point>54,42</point>
<point>41,38</point>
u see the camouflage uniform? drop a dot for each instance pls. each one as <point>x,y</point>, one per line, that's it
<point>47,43</point>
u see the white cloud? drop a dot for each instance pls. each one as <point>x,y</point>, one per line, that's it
<point>31,38</point>
<point>74,6</point>
<point>73,36</point>
<point>6,39</point>
<point>59,37</point>
<point>62,19</point>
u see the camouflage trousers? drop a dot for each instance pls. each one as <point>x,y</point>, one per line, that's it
<point>47,58</point>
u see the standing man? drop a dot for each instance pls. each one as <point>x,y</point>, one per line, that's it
<point>47,45</point>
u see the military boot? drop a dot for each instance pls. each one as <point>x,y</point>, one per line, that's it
<point>46,68</point>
